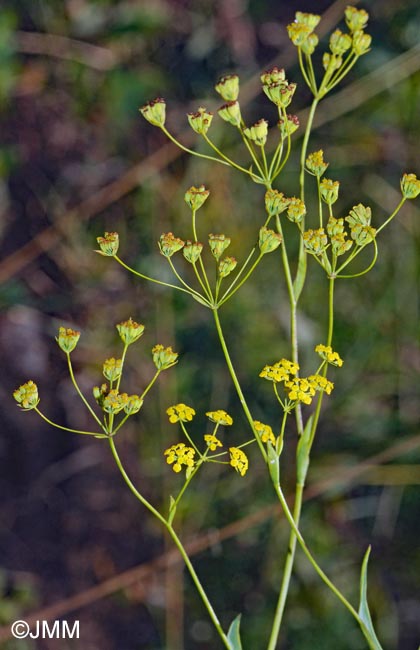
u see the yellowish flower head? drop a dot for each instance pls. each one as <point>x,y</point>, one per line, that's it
<point>238,460</point>
<point>265,432</point>
<point>220,417</point>
<point>327,353</point>
<point>212,441</point>
<point>300,390</point>
<point>179,455</point>
<point>180,413</point>
<point>27,396</point>
<point>320,383</point>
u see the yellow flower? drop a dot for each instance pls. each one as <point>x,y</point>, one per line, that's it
<point>326,352</point>
<point>220,417</point>
<point>180,413</point>
<point>212,441</point>
<point>67,339</point>
<point>179,455</point>
<point>318,382</point>
<point>264,431</point>
<point>280,370</point>
<point>27,396</point>
<point>300,390</point>
<point>238,460</point>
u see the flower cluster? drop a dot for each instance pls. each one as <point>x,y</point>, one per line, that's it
<point>277,88</point>
<point>27,396</point>
<point>180,413</point>
<point>279,371</point>
<point>220,417</point>
<point>238,460</point>
<point>108,244</point>
<point>179,455</point>
<point>212,441</point>
<point>327,353</point>
<point>130,331</point>
<point>264,431</point>
<point>301,32</point>
<point>67,339</point>
<point>164,358</point>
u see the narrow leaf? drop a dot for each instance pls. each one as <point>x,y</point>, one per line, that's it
<point>303,451</point>
<point>233,634</point>
<point>273,463</point>
<point>364,613</point>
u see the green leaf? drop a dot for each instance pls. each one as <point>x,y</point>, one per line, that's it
<point>273,464</point>
<point>233,634</point>
<point>172,509</point>
<point>303,451</point>
<point>301,272</point>
<point>364,613</point>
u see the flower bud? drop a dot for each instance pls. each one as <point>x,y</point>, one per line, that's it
<point>108,244</point>
<point>339,244</point>
<point>280,94</point>
<point>308,46</point>
<point>339,42</point>
<point>299,33</point>
<point>361,42</point>
<point>315,163</point>
<point>273,76</point>
<point>228,87</point>
<point>331,60</point>
<point>169,244</point>
<point>218,244</point>
<point>164,358</point>
<point>335,227</point>
<point>192,251</point>
<point>310,20</point>
<point>196,196</point>
<point>359,215</point>
<point>130,331</point>
<point>410,186</point>
<point>231,113</point>
<point>114,402</point>
<point>200,121</point>
<point>67,339</point>
<point>27,396</point>
<point>155,112</point>
<point>133,404</point>
<point>99,393</point>
<point>356,19</point>
<point>315,241</point>
<point>258,133</point>
<point>288,127</point>
<point>362,235</point>
<point>275,202</point>
<point>329,190</point>
<point>226,266</point>
<point>112,369</point>
<point>268,240</point>
<point>296,210</point>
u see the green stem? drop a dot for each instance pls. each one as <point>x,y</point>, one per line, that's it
<point>252,153</point>
<point>146,277</point>
<point>82,397</point>
<point>228,160</point>
<point>193,153</point>
<point>227,295</point>
<point>148,387</point>
<point>117,387</point>
<point>397,209</point>
<point>287,572</point>
<point>189,289</point>
<point>357,275</point>
<point>236,382</point>
<point>245,264</point>
<point>58,426</point>
<point>206,288</point>
<point>177,542</point>
<point>310,557</point>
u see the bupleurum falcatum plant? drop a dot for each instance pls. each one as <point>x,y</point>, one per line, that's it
<point>212,278</point>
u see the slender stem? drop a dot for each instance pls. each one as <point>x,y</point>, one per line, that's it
<point>245,264</point>
<point>310,557</point>
<point>305,147</point>
<point>117,387</point>
<point>287,572</point>
<point>206,288</point>
<point>227,296</point>
<point>252,153</point>
<point>189,289</point>
<point>397,209</point>
<point>148,387</point>
<point>58,426</point>
<point>177,542</point>
<point>146,277</point>
<point>82,397</point>
<point>236,382</point>
<point>228,160</point>
<point>193,153</point>
<point>371,265</point>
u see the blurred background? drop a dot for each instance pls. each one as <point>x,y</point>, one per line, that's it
<point>77,159</point>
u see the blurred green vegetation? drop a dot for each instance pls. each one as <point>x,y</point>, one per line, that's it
<point>76,159</point>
